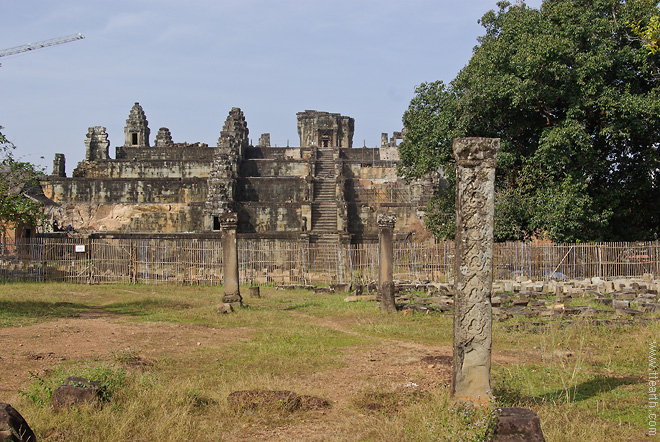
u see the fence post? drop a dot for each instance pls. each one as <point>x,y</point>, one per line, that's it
<point>132,261</point>
<point>89,261</point>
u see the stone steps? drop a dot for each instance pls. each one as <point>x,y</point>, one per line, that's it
<point>324,216</point>
<point>324,208</point>
<point>324,191</point>
<point>325,164</point>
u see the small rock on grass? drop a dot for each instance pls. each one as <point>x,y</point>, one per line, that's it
<point>76,391</point>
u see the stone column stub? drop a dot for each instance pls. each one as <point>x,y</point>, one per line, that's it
<point>476,159</point>
<point>232,293</point>
<point>386,224</point>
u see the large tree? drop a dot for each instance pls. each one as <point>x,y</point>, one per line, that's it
<point>19,187</point>
<point>575,98</point>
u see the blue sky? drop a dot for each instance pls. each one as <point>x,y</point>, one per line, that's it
<point>188,63</point>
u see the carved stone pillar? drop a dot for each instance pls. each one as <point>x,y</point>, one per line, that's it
<point>232,294</point>
<point>476,159</point>
<point>385,262</point>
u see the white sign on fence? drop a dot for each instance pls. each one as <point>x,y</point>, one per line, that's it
<point>80,248</point>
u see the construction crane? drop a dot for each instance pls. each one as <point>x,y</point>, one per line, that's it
<point>40,45</point>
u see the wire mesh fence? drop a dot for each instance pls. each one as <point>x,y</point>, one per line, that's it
<point>272,262</point>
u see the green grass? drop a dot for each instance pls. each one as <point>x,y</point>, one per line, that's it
<point>586,382</point>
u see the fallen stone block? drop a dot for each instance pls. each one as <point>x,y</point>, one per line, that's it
<point>345,287</point>
<point>255,292</point>
<point>619,304</point>
<point>225,308</point>
<point>625,296</point>
<point>13,427</point>
<point>323,290</point>
<point>360,298</point>
<point>75,391</point>
<point>517,425</point>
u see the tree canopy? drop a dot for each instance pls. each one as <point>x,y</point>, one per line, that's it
<point>19,181</point>
<point>574,94</point>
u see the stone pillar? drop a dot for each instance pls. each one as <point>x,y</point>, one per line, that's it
<point>59,166</point>
<point>232,293</point>
<point>384,139</point>
<point>264,140</point>
<point>97,144</point>
<point>476,159</point>
<point>385,259</point>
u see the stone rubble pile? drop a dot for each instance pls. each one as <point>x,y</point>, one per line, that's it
<point>625,297</point>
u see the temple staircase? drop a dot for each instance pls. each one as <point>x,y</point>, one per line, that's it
<point>324,206</point>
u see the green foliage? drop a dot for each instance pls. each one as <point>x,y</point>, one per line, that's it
<point>40,390</point>
<point>17,179</point>
<point>649,33</point>
<point>575,100</point>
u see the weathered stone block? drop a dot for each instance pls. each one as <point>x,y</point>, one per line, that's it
<point>13,428</point>
<point>75,391</point>
<point>345,287</point>
<point>255,292</point>
<point>517,425</point>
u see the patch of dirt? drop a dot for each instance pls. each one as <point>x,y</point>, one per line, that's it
<point>97,335</point>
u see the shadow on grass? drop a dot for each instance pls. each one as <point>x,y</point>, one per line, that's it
<point>145,307</point>
<point>598,385</point>
<point>16,310</point>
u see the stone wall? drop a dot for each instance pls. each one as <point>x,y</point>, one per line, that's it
<point>181,151</point>
<point>144,169</point>
<point>275,168</point>
<point>271,189</point>
<point>125,190</point>
<point>268,218</point>
<point>123,217</point>
<point>362,154</point>
<point>277,153</point>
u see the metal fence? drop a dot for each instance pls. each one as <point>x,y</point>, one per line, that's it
<point>265,262</point>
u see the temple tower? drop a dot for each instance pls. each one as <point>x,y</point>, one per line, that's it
<point>323,129</point>
<point>164,138</point>
<point>226,158</point>
<point>97,144</point>
<point>136,131</point>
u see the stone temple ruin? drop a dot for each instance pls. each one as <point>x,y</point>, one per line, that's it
<point>325,189</point>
